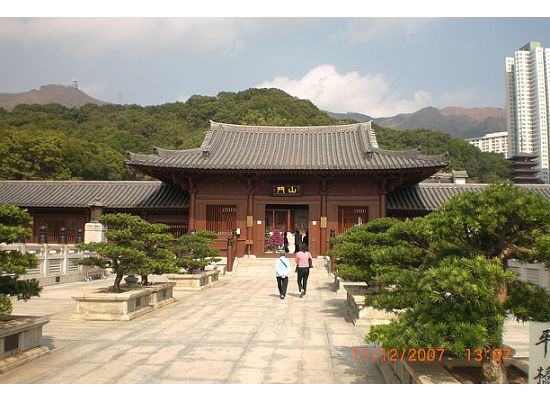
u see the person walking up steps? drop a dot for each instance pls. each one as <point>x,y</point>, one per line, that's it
<point>282,271</point>
<point>303,264</point>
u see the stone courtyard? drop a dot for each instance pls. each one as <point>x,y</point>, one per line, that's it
<point>240,332</point>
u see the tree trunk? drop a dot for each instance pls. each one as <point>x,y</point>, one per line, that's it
<point>144,280</point>
<point>118,279</point>
<point>502,294</point>
<point>493,371</point>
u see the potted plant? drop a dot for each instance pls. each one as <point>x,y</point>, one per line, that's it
<point>134,247</point>
<point>275,241</point>
<point>193,254</point>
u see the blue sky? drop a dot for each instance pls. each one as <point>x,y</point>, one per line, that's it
<point>376,66</point>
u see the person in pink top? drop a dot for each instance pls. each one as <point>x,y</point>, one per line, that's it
<point>302,267</point>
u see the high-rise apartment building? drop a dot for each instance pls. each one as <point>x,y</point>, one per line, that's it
<point>527,104</point>
<point>496,142</point>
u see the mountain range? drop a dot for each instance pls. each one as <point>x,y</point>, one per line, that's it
<point>457,121</point>
<point>65,95</point>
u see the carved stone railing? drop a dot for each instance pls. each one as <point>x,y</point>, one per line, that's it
<point>56,262</point>
<point>535,273</point>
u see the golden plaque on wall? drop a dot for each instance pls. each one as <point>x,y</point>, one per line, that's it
<point>323,222</point>
<point>249,221</point>
<point>286,190</point>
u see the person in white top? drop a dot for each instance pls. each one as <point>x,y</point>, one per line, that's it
<point>290,240</point>
<point>282,271</point>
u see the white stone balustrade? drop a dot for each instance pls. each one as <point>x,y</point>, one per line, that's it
<point>56,262</point>
<point>536,273</point>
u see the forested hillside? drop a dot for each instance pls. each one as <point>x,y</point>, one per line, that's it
<point>481,167</point>
<point>55,142</point>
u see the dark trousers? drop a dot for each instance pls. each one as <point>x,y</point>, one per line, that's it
<point>303,274</point>
<point>283,285</point>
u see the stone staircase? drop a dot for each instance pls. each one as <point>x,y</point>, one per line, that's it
<point>252,266</point>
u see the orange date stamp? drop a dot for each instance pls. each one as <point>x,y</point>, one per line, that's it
<point>395,355</point>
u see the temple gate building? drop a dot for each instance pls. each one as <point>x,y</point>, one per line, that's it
<point>255,180</point>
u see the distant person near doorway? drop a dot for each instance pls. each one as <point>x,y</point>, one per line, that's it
<point>304,261</point>
<point>297,241</point>
<point>304,237</point>
<point>282,272</point>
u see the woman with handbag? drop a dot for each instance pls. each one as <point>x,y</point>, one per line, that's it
<point>304,262</point>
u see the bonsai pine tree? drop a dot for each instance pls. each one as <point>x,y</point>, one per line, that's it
<point>365,247</point>
<point>453,290</point>
<point>194,252</point>
<point>134,246</point>
<point>15,227</point>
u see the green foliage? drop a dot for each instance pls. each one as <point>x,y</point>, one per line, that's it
<point>528,302</point>
<point>55,142</point>
<point>481,167</point>
<point>364,250</point>
<point>91,142</point>
<point>444,274</point>
<point>503,221</point>
<point>458,308</point>
<point>134,246</point>
<point>194,251</point>
<point>15,227</point>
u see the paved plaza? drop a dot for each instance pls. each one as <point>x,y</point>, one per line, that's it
<point>240,332</point>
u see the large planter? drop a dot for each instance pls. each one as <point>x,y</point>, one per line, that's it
<point>406,372</point>
<point>198,281</point>
<point>342,285</point>
<point>361,314</point>
<point>20,338</point>
<point>99,306</point>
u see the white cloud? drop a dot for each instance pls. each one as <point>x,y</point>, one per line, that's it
<point>370,94</point>
<point>133,37</point>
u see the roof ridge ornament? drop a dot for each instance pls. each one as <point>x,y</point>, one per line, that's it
<point>366,144</point>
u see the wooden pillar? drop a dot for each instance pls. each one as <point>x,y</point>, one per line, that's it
<point>250,216</point>
<point>191,222</point>
<point>230,255</point>
<point>383,205</point>
<point>192,205</point>
<point>324,221</point>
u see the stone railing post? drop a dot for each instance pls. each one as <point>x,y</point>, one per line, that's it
<point>62,235</point>
<point>45,260</point>
<point>79,236</point>
<point>43,237</point>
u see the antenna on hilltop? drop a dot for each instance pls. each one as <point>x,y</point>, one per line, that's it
<point>75,83</point>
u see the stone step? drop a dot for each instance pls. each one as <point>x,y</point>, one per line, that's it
<point>270,262</point>
<point>255,266</point>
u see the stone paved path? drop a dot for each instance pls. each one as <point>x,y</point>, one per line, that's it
<point>240,332</point>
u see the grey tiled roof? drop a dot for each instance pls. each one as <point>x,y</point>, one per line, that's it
<point>426,197</point>
<point>80,194</point>
<point>291,148</point>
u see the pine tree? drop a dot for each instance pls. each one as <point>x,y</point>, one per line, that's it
<point>446,274</point>
<point>134,246</point>
<point>194,252</point>
<point>15,227</point>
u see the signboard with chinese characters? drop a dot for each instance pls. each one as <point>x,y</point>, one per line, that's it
<point>286,190</point>
<point>539,352</point>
